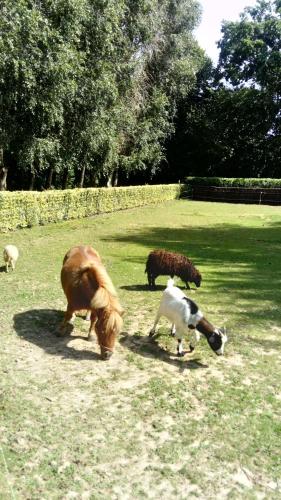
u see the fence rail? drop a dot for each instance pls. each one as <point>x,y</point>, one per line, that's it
<point>260,196</point>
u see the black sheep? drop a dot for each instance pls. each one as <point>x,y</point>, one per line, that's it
<point>161,262</point>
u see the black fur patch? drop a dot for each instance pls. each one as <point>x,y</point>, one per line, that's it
<point>214,341</point>
<point>193,306</point>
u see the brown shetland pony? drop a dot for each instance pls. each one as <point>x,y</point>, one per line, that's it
<point>87,285</point>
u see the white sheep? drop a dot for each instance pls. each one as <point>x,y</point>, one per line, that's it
<point>10,255</point>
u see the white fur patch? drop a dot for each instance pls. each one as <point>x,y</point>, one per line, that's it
<point>223,339</point>
<point>10,255</point>
<point>177,310</point>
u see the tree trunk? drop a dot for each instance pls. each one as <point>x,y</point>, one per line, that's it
<point>3,178</point>
<point>109,179</point>
<point>82,178</point>
<point>3,172</point>
<point>115,183</point>
<point>50,178</point>
<point>65,180</point>
<point>32,180</point>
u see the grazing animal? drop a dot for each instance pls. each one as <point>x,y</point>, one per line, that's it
<point>87,285</point>
<point>10,255</point>
<point>185,315</point>
<point>161,262</point>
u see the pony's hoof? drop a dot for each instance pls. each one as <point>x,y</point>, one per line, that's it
<point>151,333</point>
<point>172,333</point>
<point>59,333</point>
<point>181,354</point>
<point>91,338</point>
<point>105,356</point>
<point>64,329</point>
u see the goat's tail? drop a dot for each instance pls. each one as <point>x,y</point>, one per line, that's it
<point>170,283</point>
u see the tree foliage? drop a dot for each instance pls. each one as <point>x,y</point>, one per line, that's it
<point>90,87</point>
<point>250,50</point>
<point>229,125</point>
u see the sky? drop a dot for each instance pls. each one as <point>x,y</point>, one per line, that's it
<point>214,12</point>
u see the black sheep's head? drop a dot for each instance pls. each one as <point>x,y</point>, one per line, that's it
<point>197,280</point>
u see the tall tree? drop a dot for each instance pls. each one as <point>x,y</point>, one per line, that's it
<point>37,76</point>
<point>230,124</point>
<point>250,49</point>
<point>90,86</point>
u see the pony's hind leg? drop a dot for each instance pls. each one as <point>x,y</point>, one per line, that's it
<point>67,324</point>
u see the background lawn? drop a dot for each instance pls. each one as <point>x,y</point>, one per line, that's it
<point>145,424</point>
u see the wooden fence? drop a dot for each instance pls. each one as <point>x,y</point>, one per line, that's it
<point>260,196</point>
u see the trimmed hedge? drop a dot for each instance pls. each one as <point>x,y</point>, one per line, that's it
<point>29,208</point>
<point>233,182</point>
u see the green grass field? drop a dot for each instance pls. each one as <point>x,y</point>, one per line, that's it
<point>145,424</point>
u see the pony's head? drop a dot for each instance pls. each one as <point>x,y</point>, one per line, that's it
<point>108,327</point>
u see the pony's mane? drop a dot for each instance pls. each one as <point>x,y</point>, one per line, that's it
<point>114,321</point>
<point>106,298</point>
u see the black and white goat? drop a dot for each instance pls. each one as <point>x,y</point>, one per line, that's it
<point>185,315</point>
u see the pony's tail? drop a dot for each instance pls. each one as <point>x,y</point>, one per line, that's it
<point>101,299</point>
<point>105,297</point>
<point>105,290</point>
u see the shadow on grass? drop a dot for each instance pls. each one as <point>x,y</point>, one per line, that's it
<point>2,269</point>
<point>243,261</point>
<point>39,326</point>
<point>142,288</point>
<point>149,348</point>
<point>158,288</point>
<point>266,344</point>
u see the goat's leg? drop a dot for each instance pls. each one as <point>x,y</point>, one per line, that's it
<point>195,337</point>
<point>153,329</point>
<point>180,350</point>
<point>173,330</point>
<point>13,265</point>
<point>88,315</point>
<point>7,267</point>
